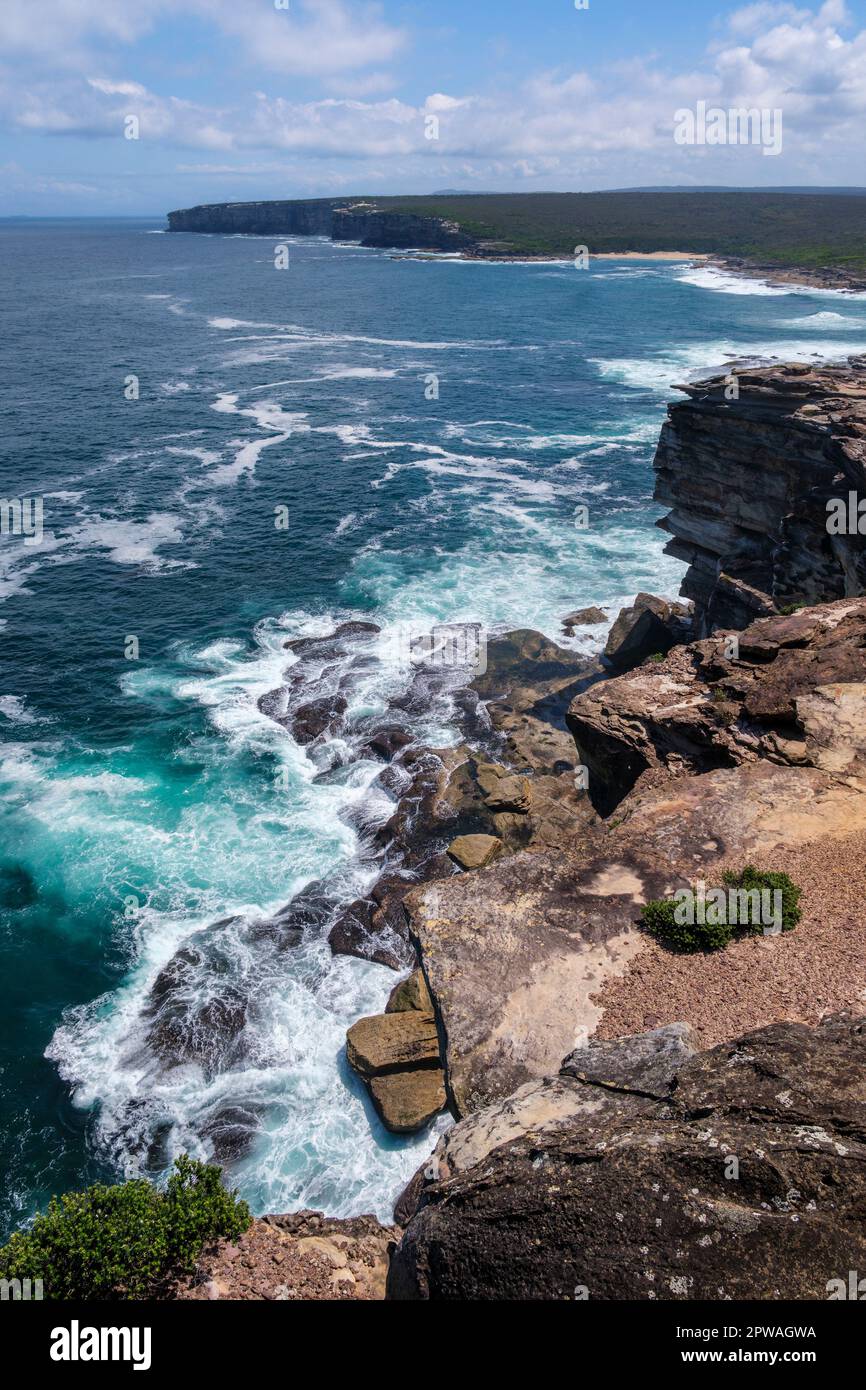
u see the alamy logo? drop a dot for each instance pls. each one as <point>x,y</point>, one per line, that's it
<point>22,516</point>
<point>738,125</point>
<point>20,1290</point>
<point>732,907</point>
<point>77,1343</point>
<point>846,517</point>
<point>854,1289</point>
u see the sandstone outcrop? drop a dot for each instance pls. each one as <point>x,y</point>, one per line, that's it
<point>748,464</point>
<point>735,1173</point>
<point>648,627</point>
<point>515,954</point>
<point>397,1055</point>
<point>791,689</point>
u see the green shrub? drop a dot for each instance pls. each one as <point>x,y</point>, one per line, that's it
<point>660,917</point>
<point>660,921</point>
<point>122,1241</point>
<point>751,879</point>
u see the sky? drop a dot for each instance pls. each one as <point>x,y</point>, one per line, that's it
<point>133,107</point>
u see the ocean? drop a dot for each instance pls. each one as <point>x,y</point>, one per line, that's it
<point>229,456</point>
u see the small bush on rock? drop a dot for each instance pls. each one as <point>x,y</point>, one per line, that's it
<point>764,880</point>
<point>753,901</point>
<point>121,1241</point>
<point>659,918</point>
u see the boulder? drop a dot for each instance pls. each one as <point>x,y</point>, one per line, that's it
<point>582,617</point>
<point>502,790</point>
<point>411,993</point>
<point>475,851</point>
<point>743,1178</point>
<point>390,1042</point>
<point>648,626</point>
<point>406,1101</point>
<point>788,688</point>
<point>318,718</point>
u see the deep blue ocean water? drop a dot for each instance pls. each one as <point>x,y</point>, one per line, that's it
<point>143,799</point>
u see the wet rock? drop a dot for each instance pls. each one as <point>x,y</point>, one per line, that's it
<point>744,1179</point>
<point>582,617</point>
<point>386,742</point>
<point>365,931</point>
<point>475,851</point>
<point>231,1132</point>
<point>320,717</point>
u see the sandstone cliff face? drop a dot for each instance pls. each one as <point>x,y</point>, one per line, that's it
<point>339,218</point>
<point>748,480</point>
<point>312,217</point>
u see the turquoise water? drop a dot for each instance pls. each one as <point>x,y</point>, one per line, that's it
<point>145,799</point>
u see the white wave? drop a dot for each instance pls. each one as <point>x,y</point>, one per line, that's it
<point>724,282</point>
<point>827,318</point>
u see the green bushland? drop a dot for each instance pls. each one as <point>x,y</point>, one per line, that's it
<point>125,1241</point>
<point>659,917</point>
<point>812,231</point>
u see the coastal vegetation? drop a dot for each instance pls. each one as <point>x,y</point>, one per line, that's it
<point>124,1241</point>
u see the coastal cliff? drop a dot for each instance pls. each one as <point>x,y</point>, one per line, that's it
<point>748,465</point>
<point>339,218</point>
<point>600,1078</point>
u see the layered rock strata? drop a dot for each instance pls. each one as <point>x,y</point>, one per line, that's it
<point>748,464</point>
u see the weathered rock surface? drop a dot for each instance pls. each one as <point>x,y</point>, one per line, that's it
<point>743,1176</point>
<point>475,851</point>
<point>582,617</point>
<point>408,1100</point>
<point>516,954</point>
<point>748,481</point>
<point>411,993</point>
<point>789,689</point>
<point>391,1042</point>
<point>397,1055</point>
<point>299,1256</point>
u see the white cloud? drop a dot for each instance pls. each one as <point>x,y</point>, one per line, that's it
<point>560,126</point>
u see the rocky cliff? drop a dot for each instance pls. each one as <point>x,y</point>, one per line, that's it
<point>339,218</point>
<point>311,217</point>
<point>748,464</point>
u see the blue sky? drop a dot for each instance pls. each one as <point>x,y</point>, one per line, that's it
<point>237,99</point>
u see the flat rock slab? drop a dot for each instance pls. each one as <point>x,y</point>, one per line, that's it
<point>475,851</point>
<point>388,1042</point>
<point>407,1100</point>
<point>646,1203</point>
<point>516,954</point>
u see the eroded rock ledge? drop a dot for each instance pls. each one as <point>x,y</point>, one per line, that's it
<point>748,480</point>
<point>644,1170</point>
